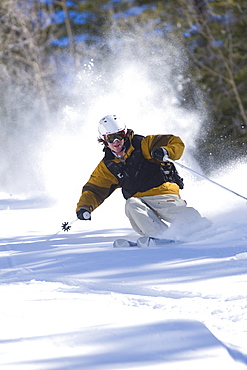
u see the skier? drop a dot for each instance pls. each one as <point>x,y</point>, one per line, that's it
<point>150,183</point>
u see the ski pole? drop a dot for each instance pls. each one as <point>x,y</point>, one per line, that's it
<point>66,226</point>
<point>207,178</point>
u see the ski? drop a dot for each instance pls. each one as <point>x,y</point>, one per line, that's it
<point>143,242</point>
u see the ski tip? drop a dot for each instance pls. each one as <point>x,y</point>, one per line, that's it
<point>123,243</point>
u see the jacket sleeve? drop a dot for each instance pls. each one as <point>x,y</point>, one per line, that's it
<point>100,185</point>
<point>173,144</point>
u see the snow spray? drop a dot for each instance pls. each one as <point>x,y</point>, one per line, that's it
<point>207,178</point>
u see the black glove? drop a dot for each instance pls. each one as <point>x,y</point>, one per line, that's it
<point>83,214</point>
<point>160,154</point>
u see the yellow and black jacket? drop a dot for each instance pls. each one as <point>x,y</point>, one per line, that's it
<point>137,174</point>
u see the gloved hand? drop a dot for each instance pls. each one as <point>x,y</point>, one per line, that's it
<point>160,154</point>
<point>83,214</point>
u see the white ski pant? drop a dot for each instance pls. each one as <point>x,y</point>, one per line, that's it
<point>146,213</point>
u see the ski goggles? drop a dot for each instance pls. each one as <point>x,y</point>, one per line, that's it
<point>110,138</point>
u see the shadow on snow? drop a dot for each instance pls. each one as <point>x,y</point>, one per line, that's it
<point>91,257</point>
<point>107,348</point>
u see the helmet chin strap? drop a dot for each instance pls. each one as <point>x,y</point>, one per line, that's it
<point>122,150</point>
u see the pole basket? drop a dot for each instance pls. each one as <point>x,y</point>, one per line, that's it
<point>65,226</point>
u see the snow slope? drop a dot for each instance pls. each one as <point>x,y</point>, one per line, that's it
<point>71,301</point>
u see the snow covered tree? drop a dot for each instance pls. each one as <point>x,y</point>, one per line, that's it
<point>214,34</point>
<point>25,45</point>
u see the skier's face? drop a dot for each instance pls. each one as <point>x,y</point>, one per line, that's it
<point>117,146</point>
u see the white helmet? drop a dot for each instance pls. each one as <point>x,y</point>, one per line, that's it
<point>111,124</point>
